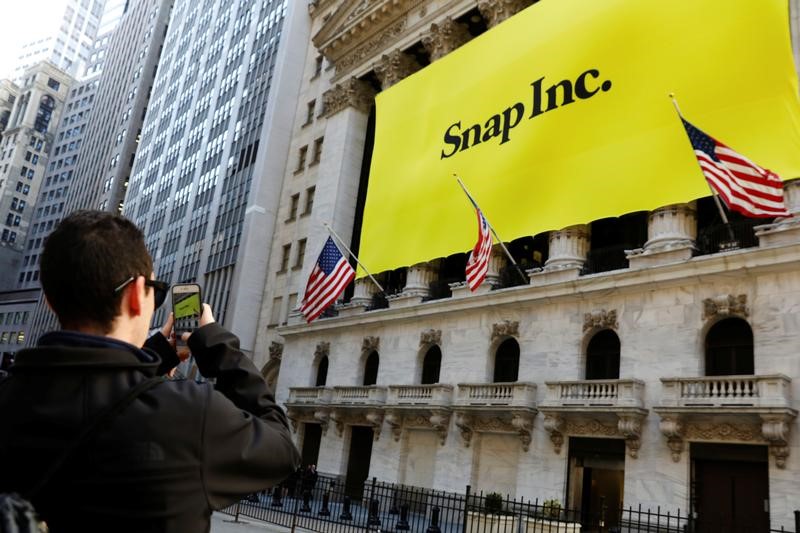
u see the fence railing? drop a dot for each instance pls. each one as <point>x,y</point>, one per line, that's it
<point>437,394</point>
<point>331,505</point>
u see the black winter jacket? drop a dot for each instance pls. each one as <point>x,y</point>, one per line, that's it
<point>179,451</point>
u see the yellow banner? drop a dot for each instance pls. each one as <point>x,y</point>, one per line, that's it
<point>560,116</point>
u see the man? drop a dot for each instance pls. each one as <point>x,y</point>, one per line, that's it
<point>180,449</point>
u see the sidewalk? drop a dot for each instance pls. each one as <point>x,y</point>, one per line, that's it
<point>222,523</point>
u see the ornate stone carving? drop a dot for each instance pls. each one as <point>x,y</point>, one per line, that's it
<point>672,428</point>
<point>323,349</point>
<point>395,421</point>
<point>775,429</point>
<point>724,431</point>
<point>600,320</point>
<point>322,416</point>
<point>554,425</point>
<point>523,424</point>
<point>394,67</point>
<point>445,37</point>
<point>275,350</point>
<point>371,418</point>
<point>590,427</point>
<point>349,93</point>
<point>370,344</point>
<point>506,328</point>
<point>319,416</point>
<point>430,337</point>
<point>496,11</point>
<point>380,41</point>
<point>725,305</point>
<point>630,426</point>
<point>464,424</point>
<point>375,419</point>
<point>440,422</point>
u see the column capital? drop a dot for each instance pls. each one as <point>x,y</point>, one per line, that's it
<point>394,67</point>
<point>444,37</point>
<point>496,11</point>
<point>349,93</point>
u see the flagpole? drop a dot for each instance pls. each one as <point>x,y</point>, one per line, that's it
<point>714,193</point>
<point>496,236</point>
<point>341,242</point>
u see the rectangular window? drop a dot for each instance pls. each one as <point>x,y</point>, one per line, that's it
<point>53,84</point>
<point>317,66</point>
<point>309,200</point>
<point>292,305</point>
<point>312,105</point>
<point>293,202</point>
<point>287,249</point>
<point>301,253</point>
<point>276,311</point>
<point>301,159</point>
<point>317,150</point>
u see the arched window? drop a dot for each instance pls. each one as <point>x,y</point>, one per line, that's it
<point>371,369</point>
<point>45,112</point>
<point>602,356</point>
<point>506,362</point>
<point>729,348</point>
<point>322,372</point>
<point>431,365</point>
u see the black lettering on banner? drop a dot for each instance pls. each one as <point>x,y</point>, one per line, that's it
<point>501,124</point>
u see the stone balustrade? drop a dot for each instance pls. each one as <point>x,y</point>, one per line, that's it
<point>518,394</point>
<point>422,395</point>
<point>595,393</point>
<point>370,395</point>
<point>725,391</point>
<point>309,396</point>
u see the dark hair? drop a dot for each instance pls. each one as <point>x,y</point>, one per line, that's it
<point>85,258</point>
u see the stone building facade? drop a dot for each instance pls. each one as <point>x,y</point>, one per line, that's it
<point>648,359</point>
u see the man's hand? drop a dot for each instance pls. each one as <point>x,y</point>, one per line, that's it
<point>206,317</point>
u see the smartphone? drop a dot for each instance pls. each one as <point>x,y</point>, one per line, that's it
<point>186,307</point>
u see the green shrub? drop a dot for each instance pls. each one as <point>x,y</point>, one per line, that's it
<point>551,508</point>
<point>493,503</point>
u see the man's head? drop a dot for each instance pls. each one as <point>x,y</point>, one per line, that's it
<point>89,255</point>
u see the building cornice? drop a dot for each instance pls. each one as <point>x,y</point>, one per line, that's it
<point>703,269</point>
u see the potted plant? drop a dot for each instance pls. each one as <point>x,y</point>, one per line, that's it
<point>547,520</point>
<point>491,517</point>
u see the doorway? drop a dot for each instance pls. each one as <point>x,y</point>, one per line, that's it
<point>358,461</point>
<point>730,488</point>
<point>312,437</point>
<point>596,482</point>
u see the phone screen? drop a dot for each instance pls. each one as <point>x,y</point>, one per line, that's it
<point>186,306</point>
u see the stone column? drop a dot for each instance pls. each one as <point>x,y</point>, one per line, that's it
<point>568,250</point>
<point>784,230</point>
<point>365,289</point>
<point>418,284</point>
<point>394,67</point>
<point>347,107</point>
<point>671,232</point>
<point>445,37</point>
<point>496,264</point>
<point>496,11</point>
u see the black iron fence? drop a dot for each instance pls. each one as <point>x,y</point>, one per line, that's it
<point>328,505</point>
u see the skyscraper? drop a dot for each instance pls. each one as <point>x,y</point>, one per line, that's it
<point>99,149</point>
<point>213,149</point>
<point>63,36</point>
<point>24,154</point>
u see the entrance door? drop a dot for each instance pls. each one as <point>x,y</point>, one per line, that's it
<point>596,482</point>
<point>312,437</point>
<point>358,461</point>
<point>731,494</point>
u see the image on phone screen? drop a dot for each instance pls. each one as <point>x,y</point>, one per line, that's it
<point>187,309</point>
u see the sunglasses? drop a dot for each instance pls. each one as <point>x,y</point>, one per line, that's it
<point>160,288</point>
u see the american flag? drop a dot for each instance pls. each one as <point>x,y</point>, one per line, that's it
<point>478,262</point>
<point>330,276</point>
<point>744,186</point>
